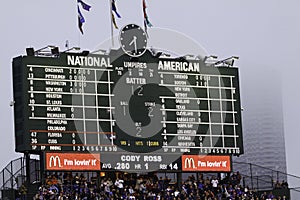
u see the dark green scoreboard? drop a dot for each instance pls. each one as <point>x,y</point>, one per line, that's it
<point>116,103</point>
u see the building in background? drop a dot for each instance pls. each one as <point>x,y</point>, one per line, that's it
<point>263,130</point>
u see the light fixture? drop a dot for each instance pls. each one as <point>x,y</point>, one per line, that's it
<point>227,62</point>
<point>100,51</point>
<point>181,59</point>
<point>190,57</point>
<point>210,57</point>
<point>55,51</point>
<point>165,54</point>
<point>156,53</point>
<point>30,51</point>
<point>85,53</point>
<point>72,49</point>
<point>49,50</point>
<point>44,48</point>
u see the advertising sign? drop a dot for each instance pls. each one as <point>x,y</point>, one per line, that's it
<point>206,163</point>
<point>72,161</point>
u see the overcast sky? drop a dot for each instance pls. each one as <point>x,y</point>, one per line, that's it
<point>264,34</point>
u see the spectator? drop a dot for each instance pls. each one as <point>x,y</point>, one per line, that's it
<point>214,184</point>
<point>22,192</point>
<point>119,183</point>
<point>284,184</point>
<point>148,188</point>
<point>270,196</point>
<point>161,184</point>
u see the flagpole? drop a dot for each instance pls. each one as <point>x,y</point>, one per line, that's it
<point>111,24</point>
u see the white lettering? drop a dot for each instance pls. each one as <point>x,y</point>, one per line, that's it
<point>182,101</point>
<point>56,115</point>
<point>179,66</point>
<point>141,81</point>
<point>55,134</point>
<point>186,144</point>
<point>56,128</point>
<point>56,148</point>
<point>185,113</point>
<point>213,164</point>
<point>55,76</point>
<point>180,107</point>
<point>52,141</point>
<point>152,158</point>
<point>54,70</point>
<point>130,158</point>
<point>185,138</point>
<point>57,122</point>
<point>53,108</point>
<point>139,65</point>
<point>56,83</point>
<point>89,61</point>
<point>181,76</point>
<point>82,162</point>
<point>54,96</point>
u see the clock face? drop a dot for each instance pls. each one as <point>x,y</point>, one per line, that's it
<point>133,40</point>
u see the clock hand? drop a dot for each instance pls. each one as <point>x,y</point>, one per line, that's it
<point>134,41</point>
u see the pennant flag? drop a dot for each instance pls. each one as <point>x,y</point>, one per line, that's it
<point>147,23</point>
<point>80,25</point>
<point>84,5</point>
<point>81,19</point>
<point>114,8</point>
<point>114,21</point>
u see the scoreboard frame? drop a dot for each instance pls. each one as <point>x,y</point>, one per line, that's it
<point>44,91</point>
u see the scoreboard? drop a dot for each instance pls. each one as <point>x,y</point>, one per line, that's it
<point>114,103</point>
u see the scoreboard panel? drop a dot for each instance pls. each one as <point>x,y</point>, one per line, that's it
<point>114,103</point>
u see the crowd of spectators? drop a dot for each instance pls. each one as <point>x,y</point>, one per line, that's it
<point>281,185</point>
<point>148,187</point>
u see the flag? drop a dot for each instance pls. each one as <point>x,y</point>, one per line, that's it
<point>80,25</point>
<point>147,23</point>
<point>114,21</point>
<point>84,5</point>
<point>114,8</point>
<point>81,19</point>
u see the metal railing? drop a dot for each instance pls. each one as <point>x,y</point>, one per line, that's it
<point>13,176</point>
<point>254,176</point>
<point>262,178</point>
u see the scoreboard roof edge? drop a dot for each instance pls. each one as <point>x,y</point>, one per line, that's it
<point>209,60</point>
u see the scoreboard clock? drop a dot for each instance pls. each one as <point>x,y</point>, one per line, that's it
<point>133,40</point>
